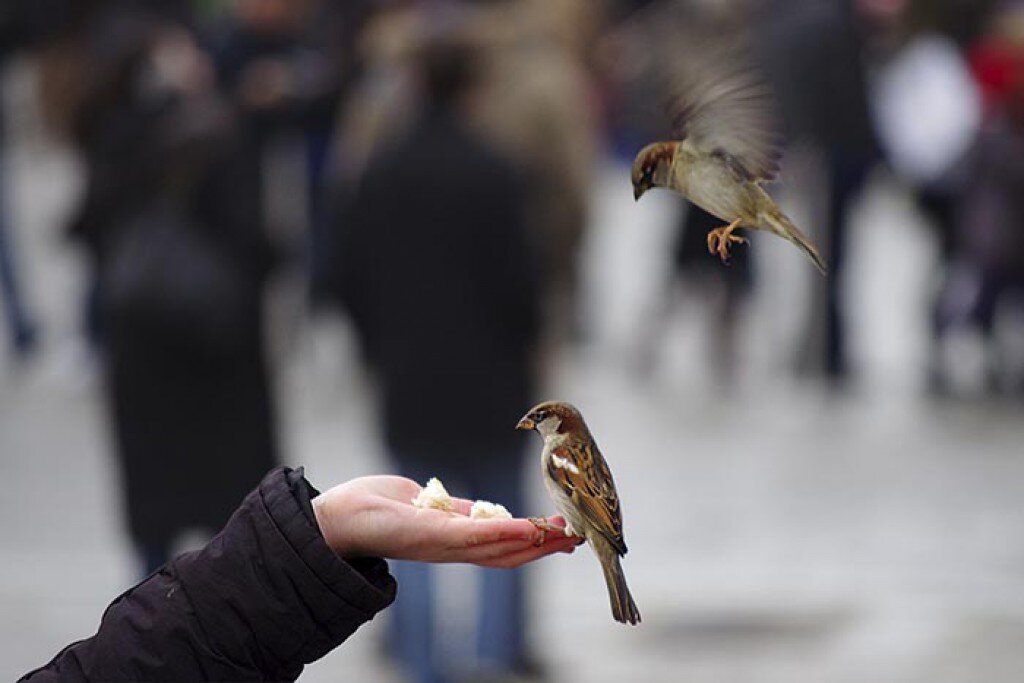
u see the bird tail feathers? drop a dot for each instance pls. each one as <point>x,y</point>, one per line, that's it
<point>780,224</point>
<point>623,608</point>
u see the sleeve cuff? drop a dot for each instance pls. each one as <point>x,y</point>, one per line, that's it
<point>366,584</point>
<point>269,591</point>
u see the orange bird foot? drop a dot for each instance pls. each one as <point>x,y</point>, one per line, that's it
<point>719,240</point>
<point>544,527</point>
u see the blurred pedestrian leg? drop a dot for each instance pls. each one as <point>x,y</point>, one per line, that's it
<point>815,57</point>
<point>500,618</point>
<point>501,622</point>
<point>20,327</point>
<point>171,220</point>
<point>847,174</point>
<point>413,622</point>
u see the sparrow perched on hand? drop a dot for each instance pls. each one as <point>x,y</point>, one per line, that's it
<point>578,480</point>
<point>726,140</point>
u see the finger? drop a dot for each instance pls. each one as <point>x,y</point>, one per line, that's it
<point>479,553</point>
<point>502,549</point>
<point>462,532</point>
<point>489,551</point>
<point>530,554</point>
<point>462,506</point>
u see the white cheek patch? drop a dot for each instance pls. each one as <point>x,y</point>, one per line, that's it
<point>549,426</point>
<point>564,463</point>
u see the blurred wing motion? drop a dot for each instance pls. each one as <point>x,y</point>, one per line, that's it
<point>587,481</point>
<point>715,98</point>
<point>724,119</point>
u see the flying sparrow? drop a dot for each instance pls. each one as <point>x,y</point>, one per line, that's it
<point>578,480</point>
<point>725,144</point>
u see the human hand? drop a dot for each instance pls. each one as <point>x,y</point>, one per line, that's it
<point>374,516</point>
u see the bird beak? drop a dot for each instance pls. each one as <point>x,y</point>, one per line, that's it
<point>526,424</point>
<point>638,191</point>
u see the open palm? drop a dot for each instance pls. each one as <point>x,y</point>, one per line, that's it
<point>374,516</point>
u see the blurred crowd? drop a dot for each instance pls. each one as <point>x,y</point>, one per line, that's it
<point>447,154</point>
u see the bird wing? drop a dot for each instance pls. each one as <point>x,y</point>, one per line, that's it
<point>717,101</point>
<point>583,474</point>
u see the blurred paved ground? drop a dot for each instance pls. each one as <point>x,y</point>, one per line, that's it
<point>781,536</point>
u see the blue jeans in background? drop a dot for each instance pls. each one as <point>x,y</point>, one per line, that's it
<point>20,327</point>
<point>500,630</point>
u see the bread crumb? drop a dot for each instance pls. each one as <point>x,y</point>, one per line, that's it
<point>433,496</point>
<point>483,509</point>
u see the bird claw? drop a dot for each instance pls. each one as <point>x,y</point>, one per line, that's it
<point>544,526</point>
<point>719,240</point>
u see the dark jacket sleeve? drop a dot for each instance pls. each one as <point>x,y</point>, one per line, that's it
<point>263,598</point>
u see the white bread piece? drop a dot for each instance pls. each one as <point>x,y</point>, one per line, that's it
<point>433,496</point>
<point>483,509</point>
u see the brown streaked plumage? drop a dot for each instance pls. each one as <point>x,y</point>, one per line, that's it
<point>726,141</point>
<point>581,486</point>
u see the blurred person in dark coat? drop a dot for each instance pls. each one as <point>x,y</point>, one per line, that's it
<point>814,53</point>
<point>989,261</point>
<point>259,53</point>
<point>286,64</point>
<point>536,107</point>
<point>21,325</point>
<point>438,276</point>
<point>921,66</point>
<point>962,20</point>
<point>171,220</point>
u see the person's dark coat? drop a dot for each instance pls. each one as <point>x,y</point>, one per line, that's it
<point>813,56</point>
<point>439,278</point>
<point>265,597</point>
<point>177,406</point>
<point>992,214</point>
